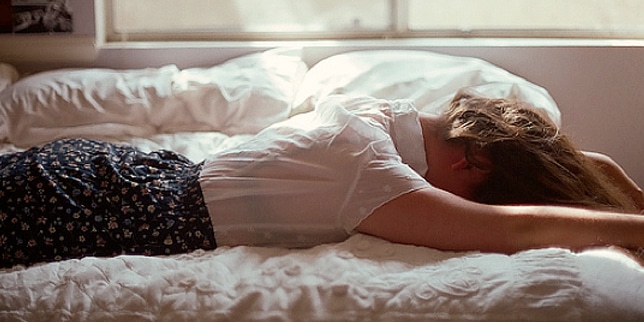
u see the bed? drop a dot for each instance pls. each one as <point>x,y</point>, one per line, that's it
<point>198,111</point>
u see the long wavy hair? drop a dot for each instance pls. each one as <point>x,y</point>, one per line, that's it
<point>532,162</point>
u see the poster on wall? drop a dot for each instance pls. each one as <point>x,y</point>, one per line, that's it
<point>41,16</point>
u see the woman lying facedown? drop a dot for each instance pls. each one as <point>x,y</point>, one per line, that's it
<point>488,174</point>
<point>505,153</point>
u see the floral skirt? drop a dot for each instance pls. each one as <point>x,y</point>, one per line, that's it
<point>75,198</point>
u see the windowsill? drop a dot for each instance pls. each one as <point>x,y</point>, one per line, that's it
<point>393,42</point>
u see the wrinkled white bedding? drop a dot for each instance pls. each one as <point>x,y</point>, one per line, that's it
<point>360,279</point>
<point>363,278</point>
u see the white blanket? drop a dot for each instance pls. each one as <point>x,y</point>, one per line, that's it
<point>363,278</point>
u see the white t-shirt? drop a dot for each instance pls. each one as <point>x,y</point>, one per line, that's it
<point>313,178</point>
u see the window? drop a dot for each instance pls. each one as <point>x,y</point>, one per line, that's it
<point>535,18</point>
<point>333,19</point>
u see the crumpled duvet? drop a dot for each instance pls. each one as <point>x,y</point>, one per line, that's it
<point>361,279</point>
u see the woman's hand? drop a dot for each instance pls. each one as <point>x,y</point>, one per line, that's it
<point>620,178</point>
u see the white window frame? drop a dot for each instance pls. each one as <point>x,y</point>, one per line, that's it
<point>400,30</point>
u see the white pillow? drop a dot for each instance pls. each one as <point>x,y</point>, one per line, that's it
<point>424,77</point>
<point>242,95</point>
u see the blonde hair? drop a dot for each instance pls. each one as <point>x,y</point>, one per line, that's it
<point>532,161</point>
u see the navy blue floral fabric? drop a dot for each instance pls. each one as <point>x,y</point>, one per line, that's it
<point>74,198</point>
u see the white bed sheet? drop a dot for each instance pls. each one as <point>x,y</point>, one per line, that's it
<point>363,278</point>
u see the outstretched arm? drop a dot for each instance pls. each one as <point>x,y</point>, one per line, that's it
<point>434,218</point>
<point>615,172</point>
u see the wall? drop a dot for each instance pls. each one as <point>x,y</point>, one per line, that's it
<point>598,86</point>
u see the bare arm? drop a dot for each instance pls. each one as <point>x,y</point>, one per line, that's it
<point>615,172</point>
<point>435,218</point>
